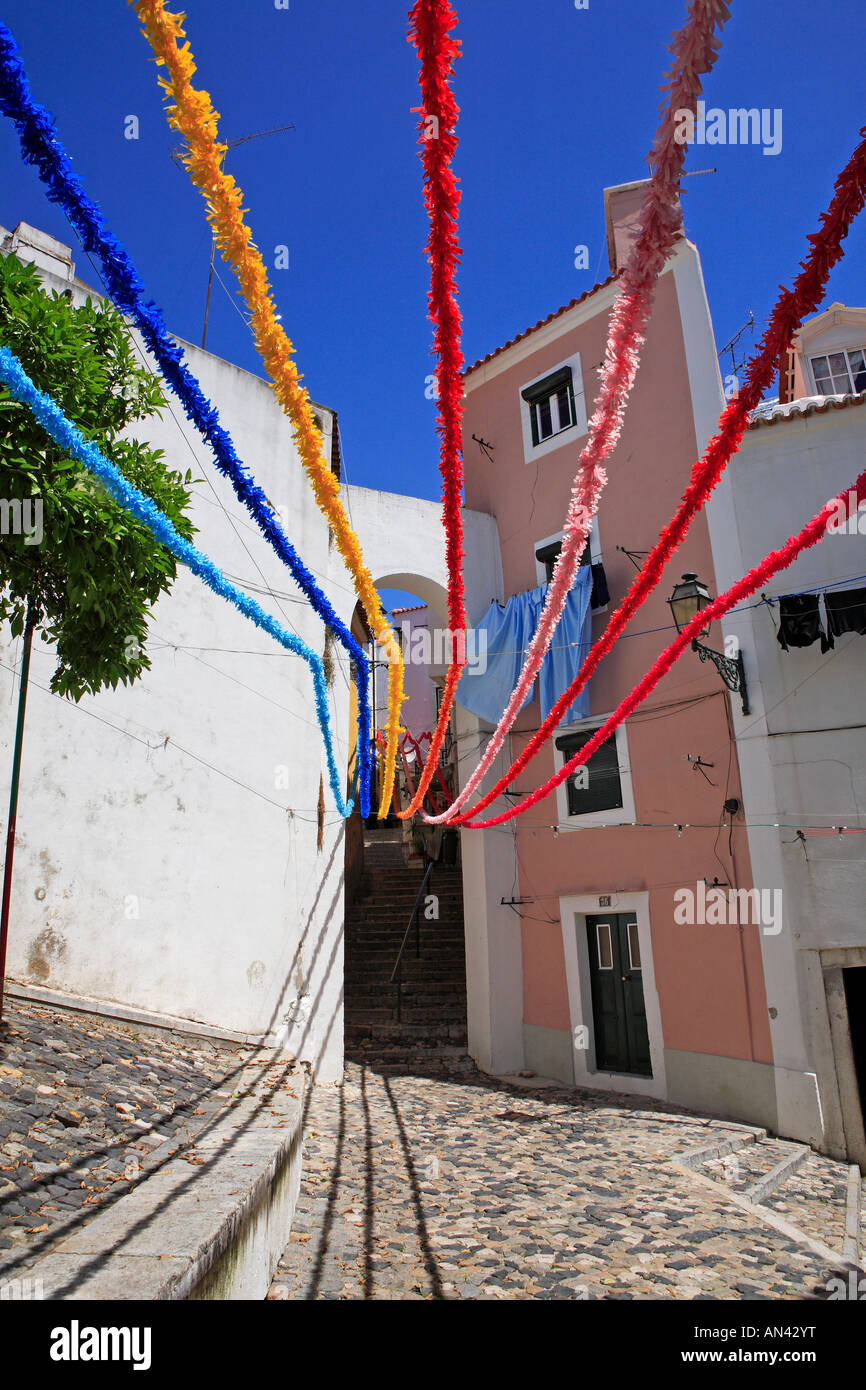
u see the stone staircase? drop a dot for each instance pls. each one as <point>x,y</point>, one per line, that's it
<point>425,1029</point>
<point>792,1188</point>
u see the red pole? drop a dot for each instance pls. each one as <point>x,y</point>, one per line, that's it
<point>13,800</point>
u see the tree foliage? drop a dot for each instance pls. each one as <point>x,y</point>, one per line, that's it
<point>88,572</point>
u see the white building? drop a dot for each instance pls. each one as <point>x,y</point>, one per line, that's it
<point>166,865</point>
<point>802,749</point>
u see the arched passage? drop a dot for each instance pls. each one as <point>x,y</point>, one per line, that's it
<point>404,546</point>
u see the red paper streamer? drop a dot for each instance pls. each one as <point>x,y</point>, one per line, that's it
<point>694,47</point>
<point>777,560</point>
<point>792,307</point>
<point>415,745</point>
<point>430,25</point>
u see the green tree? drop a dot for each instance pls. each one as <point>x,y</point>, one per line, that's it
<point>73,563</point>
<point>87,573</point>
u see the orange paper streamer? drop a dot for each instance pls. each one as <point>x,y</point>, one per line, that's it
<point>193,116</point>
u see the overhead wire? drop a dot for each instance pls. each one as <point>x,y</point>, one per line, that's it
<point>41,146</point>
<point>191,113</point>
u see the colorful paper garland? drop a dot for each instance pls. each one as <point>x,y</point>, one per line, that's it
<point>791,308</point>
<point>695,48</point>
<point>68,436</point>
<point>42,147</point>
<point>192,114</point>
<point>777,560</point>
<point>430,25</point>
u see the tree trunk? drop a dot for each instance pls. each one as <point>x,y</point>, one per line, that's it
<point>13,798</point>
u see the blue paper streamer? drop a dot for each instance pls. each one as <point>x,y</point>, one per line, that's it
<point>41,146</point>
<point>70,439</point>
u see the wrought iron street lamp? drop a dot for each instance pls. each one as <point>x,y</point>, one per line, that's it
<point>688,599</point>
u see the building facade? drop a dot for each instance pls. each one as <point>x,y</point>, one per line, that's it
<point>169,865</point>
<point>578,964</point>
<point>802,749</point>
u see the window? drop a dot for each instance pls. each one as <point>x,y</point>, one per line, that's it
<point>605,947</point>
<point>551,405</point>
<point>598,785</point>
<point>447,742</point>
<point>547,550</point>
<point>552,408</point>
<point>633,946</point>
<point>840,373</point>
<point>546,557</point>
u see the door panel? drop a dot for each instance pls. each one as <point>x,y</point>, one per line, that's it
<point>619,1012</point>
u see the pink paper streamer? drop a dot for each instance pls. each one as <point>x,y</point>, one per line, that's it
<point>695,48</point>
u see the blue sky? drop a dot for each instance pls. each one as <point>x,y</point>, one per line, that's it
<point>556,104</point>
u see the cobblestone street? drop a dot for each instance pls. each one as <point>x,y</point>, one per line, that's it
<point>465,1188</point>
<point>88,1108</point>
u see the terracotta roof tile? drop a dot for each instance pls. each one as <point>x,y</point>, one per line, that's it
<point>771,412</point>
<point>541,323</point>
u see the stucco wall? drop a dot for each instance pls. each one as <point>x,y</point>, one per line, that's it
<point>709,980</point>
<point>167,855</point>
<point>803,752</point>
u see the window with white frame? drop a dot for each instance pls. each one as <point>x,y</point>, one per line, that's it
<point>840,373</point>
<point>600,790</point>
<point>547,550</point>
<point>553,409</point>
<point>551,405</point>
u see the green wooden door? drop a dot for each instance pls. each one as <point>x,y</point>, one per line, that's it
<point>619,1013</point>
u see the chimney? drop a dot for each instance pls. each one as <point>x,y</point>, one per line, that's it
<point>622,204</point>
<point>46,253</point>
<point>787,365</point>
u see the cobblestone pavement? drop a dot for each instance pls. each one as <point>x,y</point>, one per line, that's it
<point>465,1188</point>
<point>88,1108</point>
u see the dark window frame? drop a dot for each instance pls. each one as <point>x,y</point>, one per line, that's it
<point>587,801</point>
<point>542,392</point>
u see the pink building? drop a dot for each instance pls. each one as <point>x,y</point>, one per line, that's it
<point>579,965</point>
<point>415,627</point>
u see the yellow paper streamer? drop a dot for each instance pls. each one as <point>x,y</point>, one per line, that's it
<point>192,114</point>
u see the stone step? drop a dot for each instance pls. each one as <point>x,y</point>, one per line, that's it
<point>748,1169</point>
<point>411,974</point>
<point>828,1181</point>
<point>404,1034</point>
<point>431,1031</point>
<point>394,1061</point>
<point>409,1013</point>
<point>412,989</point>
<point>431,941</point>
<point>412,970</point>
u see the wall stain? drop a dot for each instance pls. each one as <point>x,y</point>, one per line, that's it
<point>48,947</point>
<point>256,973</point>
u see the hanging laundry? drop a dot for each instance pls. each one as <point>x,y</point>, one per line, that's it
<point>600,593</point>
<point>485,691</point>
<point>846,611</point>
<point>800,622</point>
<point>569,648</point>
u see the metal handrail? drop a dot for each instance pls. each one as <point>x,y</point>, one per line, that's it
<point>413,918</point>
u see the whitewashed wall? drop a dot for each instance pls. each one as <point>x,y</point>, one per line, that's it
<point>166,860</point>
<point>166,856</point>
<point>802,750</point>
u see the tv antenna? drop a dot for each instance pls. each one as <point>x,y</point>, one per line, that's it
<point>177,157</point>
<point>732,342</point>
